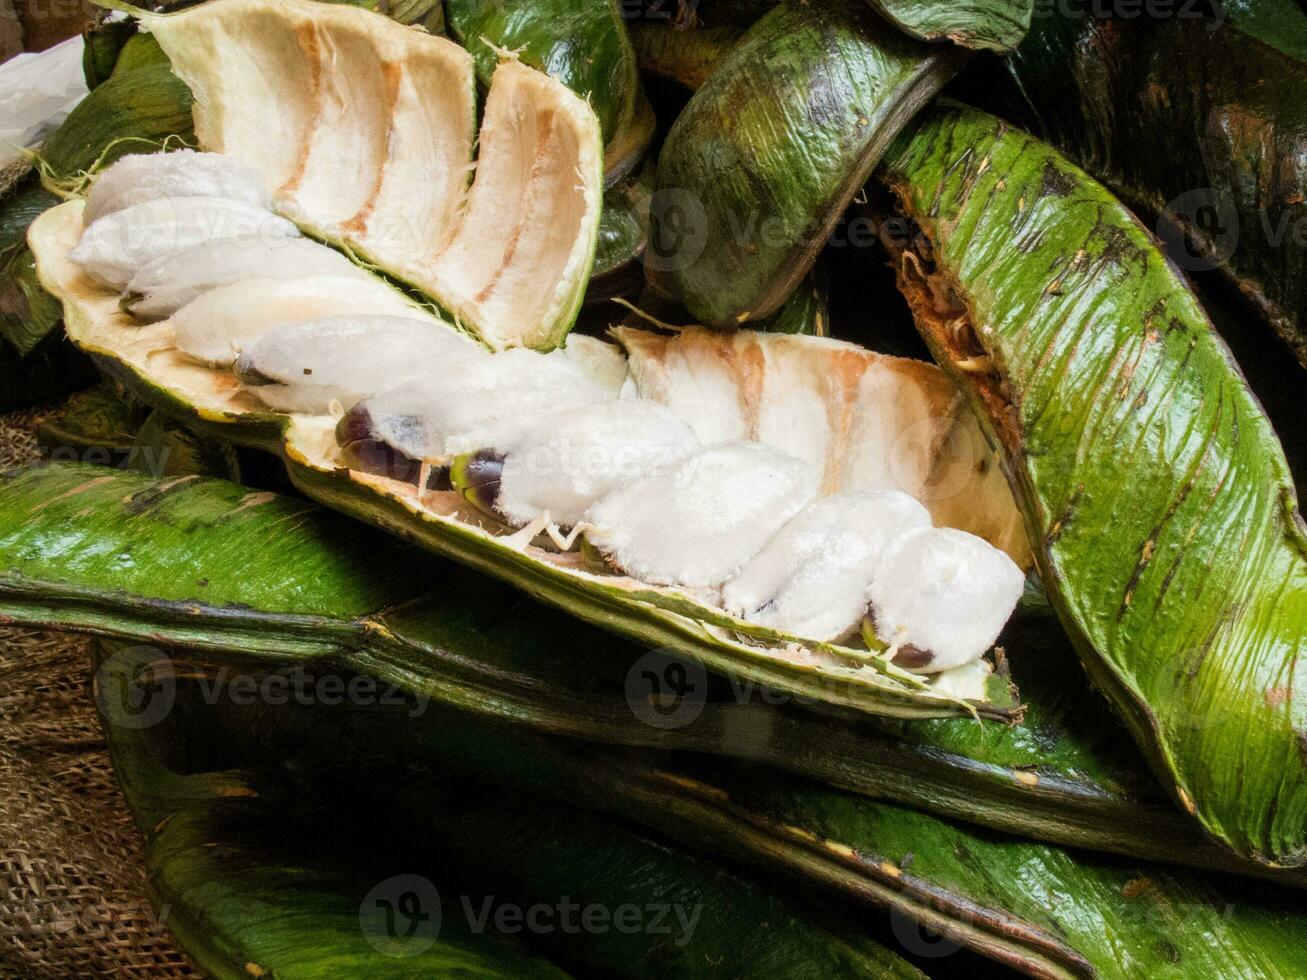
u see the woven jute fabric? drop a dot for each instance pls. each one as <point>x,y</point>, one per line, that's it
<point>72,879</point>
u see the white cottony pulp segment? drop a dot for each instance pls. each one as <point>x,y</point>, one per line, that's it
<point>138,178</point>
<point>305,366</point>
<point>364,130</point>
<point>220,323</point>
<point>487,402</point>
<point>115,247</point>
<point>695,522</point>
<point>811,579</point>
<point>165,285</point>
<point>946,594</point>
<point>566,461</point>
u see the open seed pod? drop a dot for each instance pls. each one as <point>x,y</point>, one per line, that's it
<point>338,591</point>
<point>364,130</point>
<point>865,417</point>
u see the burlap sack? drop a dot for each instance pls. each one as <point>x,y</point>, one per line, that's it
<point>72,880</point>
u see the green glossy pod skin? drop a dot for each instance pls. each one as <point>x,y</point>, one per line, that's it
<point>28,315</point>
<point>132,112</point>
<point>99,424</point>
<point>333,590</point>
<point>720,924</point>
<point>475,843</point>
<point>986,892</point>
<point>1166,525</point>
<point>103,44</point>
<point>1199,123</point>
<point>764,159</point>
<point>686,55</point>
<point>990,25</point>
<point>223,848</point>
<point>583,44</point>
<point>618,268</point>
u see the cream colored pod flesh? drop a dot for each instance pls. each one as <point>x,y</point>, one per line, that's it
<point>366,139</point>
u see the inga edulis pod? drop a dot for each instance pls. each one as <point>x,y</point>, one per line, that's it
<point>1157,497</point>
<point>1198,122</point>
<point>762,162</point>
<point>223,846</point>
<point>334,593</point>
<point>987,892</point>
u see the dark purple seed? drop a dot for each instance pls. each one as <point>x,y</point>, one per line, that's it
<point>910,657</point>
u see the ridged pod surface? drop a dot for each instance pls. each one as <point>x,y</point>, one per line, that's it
<point>1157,498</point>
<point>333,589</point>
<point>223,848</point>
<point>992,25</point>
<point>1200,121</point>
<point>763,161</point>
<point>1111,918</point>
<point>372,148</point>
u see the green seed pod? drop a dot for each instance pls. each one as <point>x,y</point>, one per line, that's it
<point>814,94</point>
<point>1166,526</point>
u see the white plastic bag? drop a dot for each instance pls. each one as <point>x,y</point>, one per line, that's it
<point>37,91</point>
